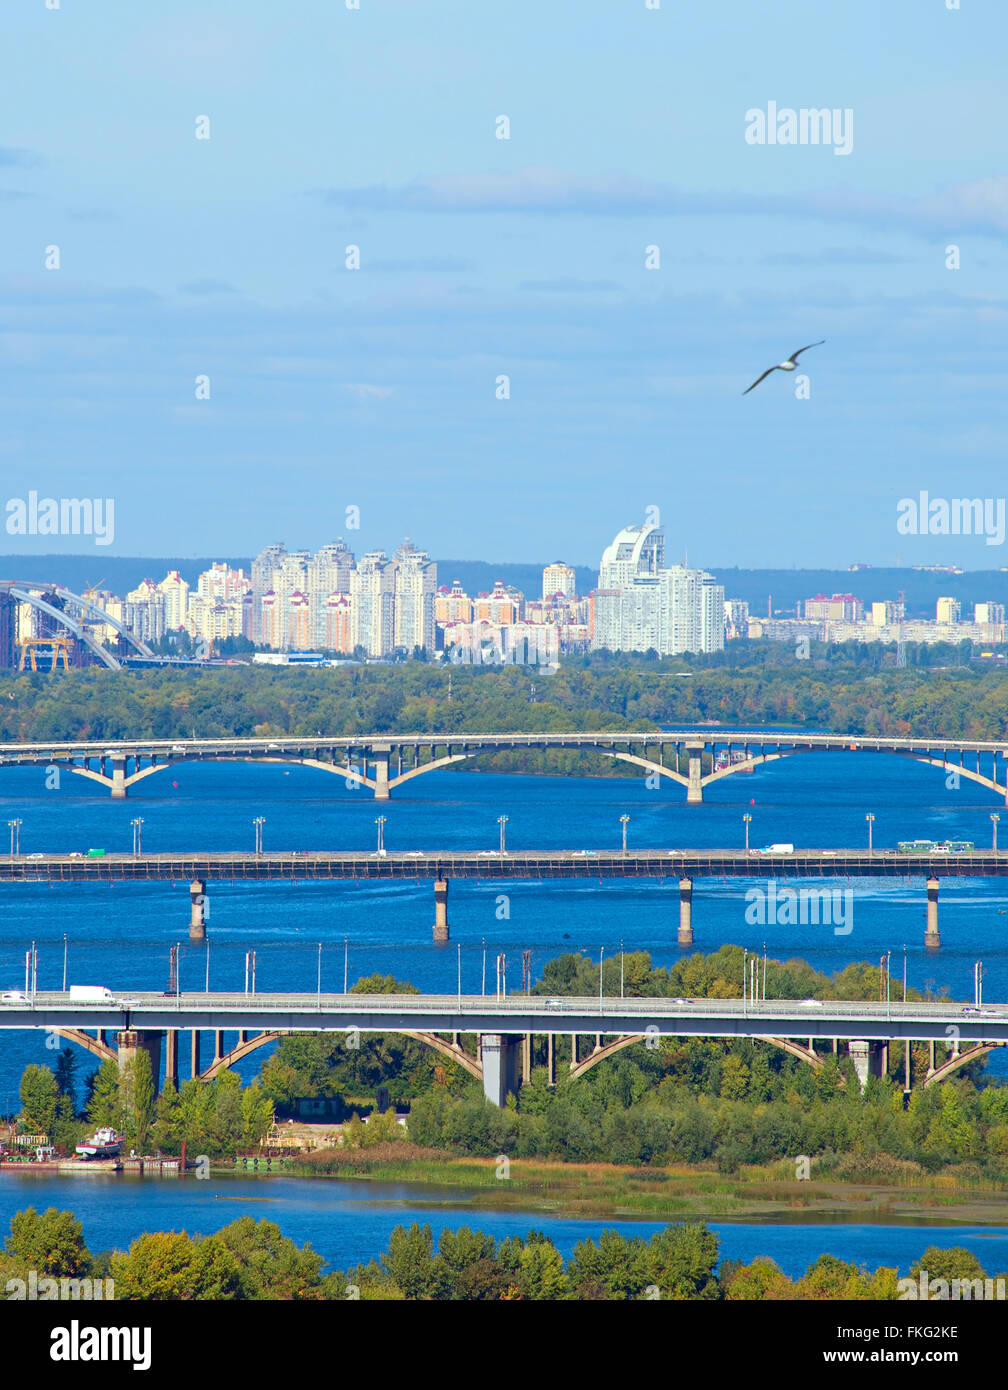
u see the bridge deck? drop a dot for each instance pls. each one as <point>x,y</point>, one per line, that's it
<point>517,1014</point>
<point>488,865</point>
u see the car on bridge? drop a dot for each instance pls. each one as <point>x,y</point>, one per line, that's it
<point>13,996</point>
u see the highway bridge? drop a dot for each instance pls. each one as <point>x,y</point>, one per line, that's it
<point>199,868</point>
<point>504,1026</point>
<point>694,759</point>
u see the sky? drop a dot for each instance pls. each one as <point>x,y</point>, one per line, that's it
<point>380,388</point>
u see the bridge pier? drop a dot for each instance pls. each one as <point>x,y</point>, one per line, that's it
<point>130,1041</point>
<point>869,1058</point>
<point>381,775</point>
<point>440,909</point>
<point>118,779</point>
<point>694,786</point>
<point>171,1057</point>
<point>931,938</point>
<point>197,916</point>
<point>501,1060</point>
<point>685,912</point>
<point>195,1039</point>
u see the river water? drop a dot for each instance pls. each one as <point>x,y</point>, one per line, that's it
<point>120,935</point>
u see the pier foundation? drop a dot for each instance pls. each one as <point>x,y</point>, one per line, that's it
<point>694,787</point>
<point>197,915</point>
<point>440,909</point>
<point>931,938</point>
<point>501,1053</point>
<point>685,912</point>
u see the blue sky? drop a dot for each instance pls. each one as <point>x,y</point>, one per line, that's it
<point>375,388</point>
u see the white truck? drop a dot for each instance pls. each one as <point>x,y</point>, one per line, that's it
<point>777,849</point>
<point>91,994</point>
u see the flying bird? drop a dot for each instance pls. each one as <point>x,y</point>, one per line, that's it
<point>786,366</point>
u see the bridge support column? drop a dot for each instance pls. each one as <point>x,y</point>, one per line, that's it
<point>118,779</point>
<point>130,1041</point>
<point>860,1055</point>
<point>218,1045</point>
<point>685,912</point>
<point>194,1035</point>
<point>440,909</point>
<point>501,1063</point>
<point>171,1057</point>
<point>870,1059</point>
<point>550,1061</point>
<point>931,938</point>
<point>197,916</point>
<point>381,776</point>
<point>694,788</point>
<point>526,1059</point>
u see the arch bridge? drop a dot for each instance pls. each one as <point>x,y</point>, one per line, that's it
<point>383,763</point>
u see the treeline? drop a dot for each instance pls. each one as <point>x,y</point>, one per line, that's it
<point>752,684</point>
<point>253,1260</point>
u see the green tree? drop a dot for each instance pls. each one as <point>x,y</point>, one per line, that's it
<point>66,1076</point>
<point>103,1108</point>
<point>172,1266</point>
<point>52,1243</point>
<point>270,1266</point>
<point>39,1095</point>
<point>684,1261</point>
<point>409,1261</point>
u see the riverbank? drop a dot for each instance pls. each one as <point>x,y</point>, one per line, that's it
<point>677,1193</point>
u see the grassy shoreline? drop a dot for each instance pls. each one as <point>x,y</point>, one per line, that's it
<point>676,1193</point>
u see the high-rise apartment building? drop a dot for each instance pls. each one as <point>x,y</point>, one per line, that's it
<point>372,601</point>
<point>328,573</point>
<point>949,610</point>
<point>640,605</point>
<point>558,578</point>
<point>176,599</point>
<point>415,585</point>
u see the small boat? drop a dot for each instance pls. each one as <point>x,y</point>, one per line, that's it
<point>104,1143</point>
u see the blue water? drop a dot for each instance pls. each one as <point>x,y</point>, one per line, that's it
<point>120,935</point>
<point>349,1222</point>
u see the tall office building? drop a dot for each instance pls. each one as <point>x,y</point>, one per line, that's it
<point>415,588</point>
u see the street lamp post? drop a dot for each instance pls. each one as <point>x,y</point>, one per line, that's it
<point>994,825</point>
<point>136,823</point>
<point>745,987</point>
<point>747,818</point>
<point>459,944</point>
<point>64,961</point>
<point>870,819</point>
<point>15,836</point>
<point>319,985</point>
<point>484,967</point>
<point>624,821</point>
<point>380,822</point>
<point>904,974</point>
<point>346,964</point>
<point>259,822</point>
<point>600,955</point>
<point>502,822</point>
<point>621,968</point>
<point>978,974</point>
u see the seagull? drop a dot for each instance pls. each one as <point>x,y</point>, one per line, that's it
<point>786,366</point>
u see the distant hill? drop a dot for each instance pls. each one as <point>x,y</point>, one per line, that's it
<point>786,588</point>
